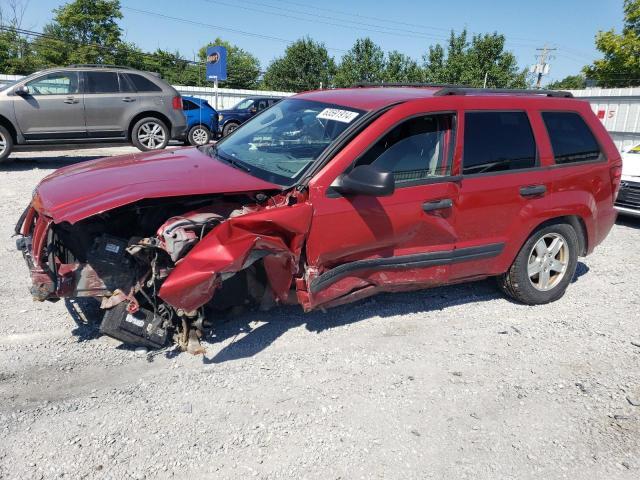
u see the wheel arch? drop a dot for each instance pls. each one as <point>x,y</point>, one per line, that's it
<point>148,113</point>
<point>6,123</point>
<point>578,224</point>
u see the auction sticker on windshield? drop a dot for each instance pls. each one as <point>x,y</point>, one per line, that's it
<point>345,116</point>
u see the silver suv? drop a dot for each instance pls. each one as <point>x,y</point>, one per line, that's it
<point>90,103</point>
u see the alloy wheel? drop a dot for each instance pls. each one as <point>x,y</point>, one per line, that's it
<point>548,261</point>
<point>151,135</point>
<point>200,136</point>
<point>3,144</point>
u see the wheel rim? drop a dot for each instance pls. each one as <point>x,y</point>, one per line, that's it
<point>232,127</point>
<point>3,143</point>
<point>151,135</point>
<point>200,136</point>
<point>548,261</point>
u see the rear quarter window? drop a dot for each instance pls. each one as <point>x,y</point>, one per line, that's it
<point>143,84</point>
<point>571,138</point>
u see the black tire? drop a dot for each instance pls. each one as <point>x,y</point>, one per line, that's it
<point>150,133</point>
<point>6,145</point>
<point>517,283</point>
<point>198,135</point>
<point>229,127</point>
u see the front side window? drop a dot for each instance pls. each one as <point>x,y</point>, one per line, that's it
<point>244,104</point>
<point>281,143</point>
<point>497,141</point>
<point>101,82</point>
<point>58,83</point>
<point>262,104</point>
<point>417,149</point>
<point>571,138</point>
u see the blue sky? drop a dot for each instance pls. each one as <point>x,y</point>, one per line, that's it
<point>409,26</point>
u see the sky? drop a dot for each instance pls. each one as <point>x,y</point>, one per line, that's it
<point>263,27</point>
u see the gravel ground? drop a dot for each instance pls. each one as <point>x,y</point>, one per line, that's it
<point>449,383</point>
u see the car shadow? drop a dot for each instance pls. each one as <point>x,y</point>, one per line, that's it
<point>45,162</point>
<point>247,340</point>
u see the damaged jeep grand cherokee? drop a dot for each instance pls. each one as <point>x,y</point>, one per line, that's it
<point>326,198</point>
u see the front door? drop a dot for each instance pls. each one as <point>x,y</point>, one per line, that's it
<point>53,109</point>
<point>361,244</point>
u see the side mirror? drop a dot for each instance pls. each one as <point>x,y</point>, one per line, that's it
<point>21,91</point>
<point>365,180</point>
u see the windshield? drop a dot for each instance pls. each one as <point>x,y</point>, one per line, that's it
<point>243,104</point>
<point>4,84</point>
<point>282,142</point>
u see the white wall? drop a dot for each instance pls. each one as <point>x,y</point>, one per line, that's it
<point>227,97</point>
<point>618,109</point>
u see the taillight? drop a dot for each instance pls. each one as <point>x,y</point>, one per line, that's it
<point>177,102</point>
<point>616,177</point>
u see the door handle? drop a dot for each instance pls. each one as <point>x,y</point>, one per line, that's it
<point>533,191</point>
<point>437,205</point>
<point>128,99</point>
<point>70,100</point>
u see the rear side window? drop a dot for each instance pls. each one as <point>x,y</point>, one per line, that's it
<point>143,84</point>
<point>188,105</point>
<point>571,139</point>
<point>101,82</point>
<point>497,141</point>
<point>417,149</point>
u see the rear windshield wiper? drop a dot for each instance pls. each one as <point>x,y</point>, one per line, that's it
<point>214,153</point>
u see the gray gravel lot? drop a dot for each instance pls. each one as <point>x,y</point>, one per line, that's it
<point>448,383</point>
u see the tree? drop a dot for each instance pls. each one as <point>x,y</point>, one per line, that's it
<point>305,65</point>
<point>82,31</point>
<point>571,82</point>
<point>469,63</point>
<point>15,51</point>
<point>402,69</point>
<point>363,63</point>
<point>243,68</point>
<point>620,66</point>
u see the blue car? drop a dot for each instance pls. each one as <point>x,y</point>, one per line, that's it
<point>202,121</point>
<point>231,119</point>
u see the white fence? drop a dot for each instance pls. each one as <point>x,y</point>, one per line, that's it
<point>618,109</point>
<point>227,97</point>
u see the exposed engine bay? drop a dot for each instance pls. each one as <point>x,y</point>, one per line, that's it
<point>124,256</point>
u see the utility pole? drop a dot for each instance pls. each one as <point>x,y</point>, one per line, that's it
<point>542,67</point>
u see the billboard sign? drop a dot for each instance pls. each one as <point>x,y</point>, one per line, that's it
<point>216,63</point>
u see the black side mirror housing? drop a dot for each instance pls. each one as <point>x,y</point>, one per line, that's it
<point>21,91</point>
<point>365,180</point>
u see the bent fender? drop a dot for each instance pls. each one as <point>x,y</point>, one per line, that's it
<point>275,233</point>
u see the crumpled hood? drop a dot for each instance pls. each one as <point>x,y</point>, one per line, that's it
<point>79,191</point>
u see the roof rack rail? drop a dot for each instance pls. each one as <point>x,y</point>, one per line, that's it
<point>97,65</point>
<point>403,84</point>
<point>453,90</point>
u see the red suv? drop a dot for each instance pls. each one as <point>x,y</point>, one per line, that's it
<point>329,197</point>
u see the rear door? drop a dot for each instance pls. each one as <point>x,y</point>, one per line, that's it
<point>108,99</point>
<point>53,109</point>
<point>361,244</point>
<point>503,189</point>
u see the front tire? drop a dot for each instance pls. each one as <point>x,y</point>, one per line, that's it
<point>150,133</point>
<point>199,135</point>
<point>229,127</point>
<point>544,266</point>
<point>6,144</point>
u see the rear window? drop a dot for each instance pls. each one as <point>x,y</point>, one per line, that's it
<point>143,84</point>
<point>571,139</point>
<point>497,141</point>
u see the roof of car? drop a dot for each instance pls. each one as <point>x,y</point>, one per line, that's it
<point>374,97</point>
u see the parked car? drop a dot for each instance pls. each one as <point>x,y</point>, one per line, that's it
<point>628,201</point>
<point>326,198</point>
<point>229,120</point>
<point>85,103</point>
<point>202,120</point>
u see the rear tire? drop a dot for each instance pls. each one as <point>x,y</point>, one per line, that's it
<point>198,135</point>
<point>544,266</point>
<point>6,145</point>
<point>150,133</point>
<point>229,127</point>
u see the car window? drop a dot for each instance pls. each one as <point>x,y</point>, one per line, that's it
<point>188,105</point>
<point>571,138</point>
<point>101,82</point>
<point>143,84</point>
<point>262,104</point>
<point>244,104</point>
<point>497,141</point>
<point>416,149</point>
<point>57,83</point>
<point>125,85</point>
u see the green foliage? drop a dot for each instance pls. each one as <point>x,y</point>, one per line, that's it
<point>571,82</point>
<point>243,68</point>
<point>467,63</point>
<point>363,63</point>
<point>401,68</point>
<point>620,66</point>
<point>305,65</point>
